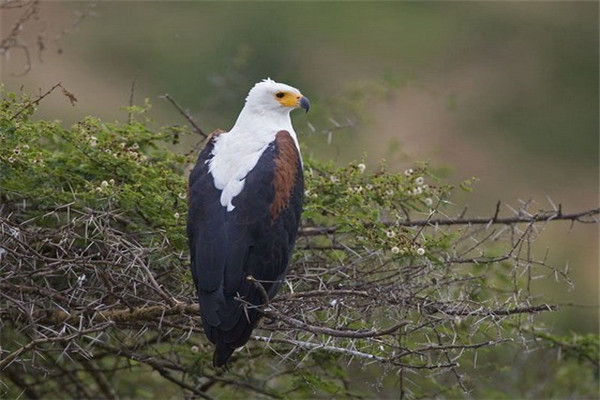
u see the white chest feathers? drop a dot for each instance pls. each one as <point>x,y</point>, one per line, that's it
<point>234,156</point>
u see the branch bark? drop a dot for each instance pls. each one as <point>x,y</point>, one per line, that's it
<point>494,220</point>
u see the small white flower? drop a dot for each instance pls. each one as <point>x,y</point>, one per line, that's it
<point>391,234</point>
<point>408,172</point>
<point>333,178</point>
<point>111,181</point>
<point>334,302</point>
<point>314,195</point>
<point>176,215</point>
<point>419,181</point>
<point>417,191</point>
<point>389,192</point>
<point>14,232</point>
<point>429,201</point>
<point>307,192</point>
<point>182,195</point>
<point>361,167</point>
<point>194,349</point>
<point>135,146</point>
<point>420,251</point>
<point>81,279</point>
<point>368,186</point>
<point>11,159</point>
<point>104,184</point>
<point>395,250</point>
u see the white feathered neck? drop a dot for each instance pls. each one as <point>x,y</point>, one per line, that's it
<point>236,152</point>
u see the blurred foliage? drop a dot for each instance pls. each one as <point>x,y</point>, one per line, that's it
<point>546,55</point>
<point>125,169</point>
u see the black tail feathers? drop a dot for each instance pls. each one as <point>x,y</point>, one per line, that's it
<point>222,355</point>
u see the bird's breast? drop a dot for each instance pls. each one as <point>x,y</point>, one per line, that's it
<point>230,164</point>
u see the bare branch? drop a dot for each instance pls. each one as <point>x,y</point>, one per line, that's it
<point>587,216</point>
<point>33,103</point>
<point>6,361</point>
<point>185,115</point>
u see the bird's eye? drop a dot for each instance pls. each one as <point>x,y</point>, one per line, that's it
<point>280,95</point>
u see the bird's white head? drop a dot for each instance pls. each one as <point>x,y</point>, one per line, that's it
<point>269,95</point>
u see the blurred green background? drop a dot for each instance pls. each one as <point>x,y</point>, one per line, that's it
<point>506,92</point>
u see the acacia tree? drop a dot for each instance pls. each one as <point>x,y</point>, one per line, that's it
<point>97,300</point>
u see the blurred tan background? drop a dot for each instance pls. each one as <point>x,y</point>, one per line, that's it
<point>506,92</point>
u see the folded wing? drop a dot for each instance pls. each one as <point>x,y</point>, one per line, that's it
<point>255,238</point>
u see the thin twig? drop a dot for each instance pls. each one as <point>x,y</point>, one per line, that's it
<point>33,103</point>
<point>185,115</point>
<point>7,360</point>
<point>517,219</point>
<point>131,99</point>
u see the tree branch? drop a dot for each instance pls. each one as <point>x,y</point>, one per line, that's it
<point>494,220</point>
<point>12,356</point>
<point>121,315</point>
<point>273,313</point>
<point>185,115</point>
<point>37,100</point>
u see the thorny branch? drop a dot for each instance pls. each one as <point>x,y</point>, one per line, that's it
<point>521,217</point>
<point>84,289</point>
<point>8,359</point>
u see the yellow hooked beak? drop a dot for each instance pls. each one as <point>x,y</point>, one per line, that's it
<point>287,99</point>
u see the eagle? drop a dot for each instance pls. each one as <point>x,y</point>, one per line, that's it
<point>245,200</point>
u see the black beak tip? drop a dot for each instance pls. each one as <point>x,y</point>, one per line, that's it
<point>304,103</point>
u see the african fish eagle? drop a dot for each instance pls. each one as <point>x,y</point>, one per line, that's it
<point>245,200</point>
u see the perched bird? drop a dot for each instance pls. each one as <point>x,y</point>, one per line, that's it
<point>245,200</point>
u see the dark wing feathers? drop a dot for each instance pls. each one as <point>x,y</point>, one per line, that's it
<point>254,238</point>
<point>205,223</point>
